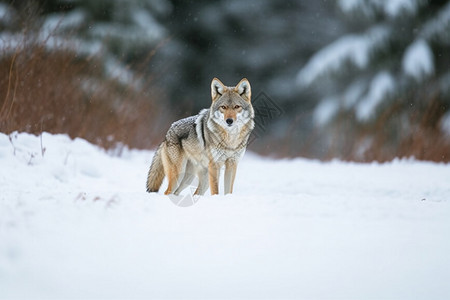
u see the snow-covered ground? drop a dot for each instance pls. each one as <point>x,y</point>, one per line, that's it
<point>76,223</point>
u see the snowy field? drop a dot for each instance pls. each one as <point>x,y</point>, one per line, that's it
<point>76,223</point>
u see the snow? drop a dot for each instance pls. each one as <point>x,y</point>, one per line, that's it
<point>355,49</point>
<point>115,69</point>
<point>59,22</point>
<point>7,15</point>
<point>354,92</point>
<point>382,85</point>
<point>438,26</point>
<point>9,43</point>
<point>76,222</point>
<point>418,60</point>
<point>145,22</point>
<point>326,110</point>
<point>348,5</point>
<point>395,8</point>
<point>391,8</point>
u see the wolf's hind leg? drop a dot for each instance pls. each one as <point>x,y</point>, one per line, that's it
<point>188,177</point>
<point>202,182</point>
<point>173,163</point>
<point>172,176</point>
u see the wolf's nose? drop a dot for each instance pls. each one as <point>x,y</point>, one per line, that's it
<point>229,121</point>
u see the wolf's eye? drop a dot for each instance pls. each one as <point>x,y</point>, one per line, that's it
<point>237,106</point>
<point>223,107</point>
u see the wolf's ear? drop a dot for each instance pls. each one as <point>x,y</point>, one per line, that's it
<point>217,89</point>
<point>243,89</point>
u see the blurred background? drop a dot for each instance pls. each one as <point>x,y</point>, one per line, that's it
<point>357,80</point>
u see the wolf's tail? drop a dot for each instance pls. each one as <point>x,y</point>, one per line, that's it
<point>156,173</point>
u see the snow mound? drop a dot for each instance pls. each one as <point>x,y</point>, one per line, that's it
<point>76,222</point>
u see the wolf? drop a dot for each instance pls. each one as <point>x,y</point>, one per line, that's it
<point>201,145</point>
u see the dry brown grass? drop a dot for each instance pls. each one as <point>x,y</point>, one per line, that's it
<point>60,92</point>
<point>406,127</point>
<point>404,130</point>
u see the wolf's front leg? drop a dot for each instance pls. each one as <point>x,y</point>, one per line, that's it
<point>230,174</point>
<point>214,170</point>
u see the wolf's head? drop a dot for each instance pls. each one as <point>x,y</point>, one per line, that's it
<point>231,106</point>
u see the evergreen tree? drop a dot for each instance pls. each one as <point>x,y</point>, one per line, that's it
<point>384,86</point>
<point>122,32</point>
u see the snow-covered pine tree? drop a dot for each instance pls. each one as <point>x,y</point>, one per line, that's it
<point>385,86</point>
<point>121,32</point>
